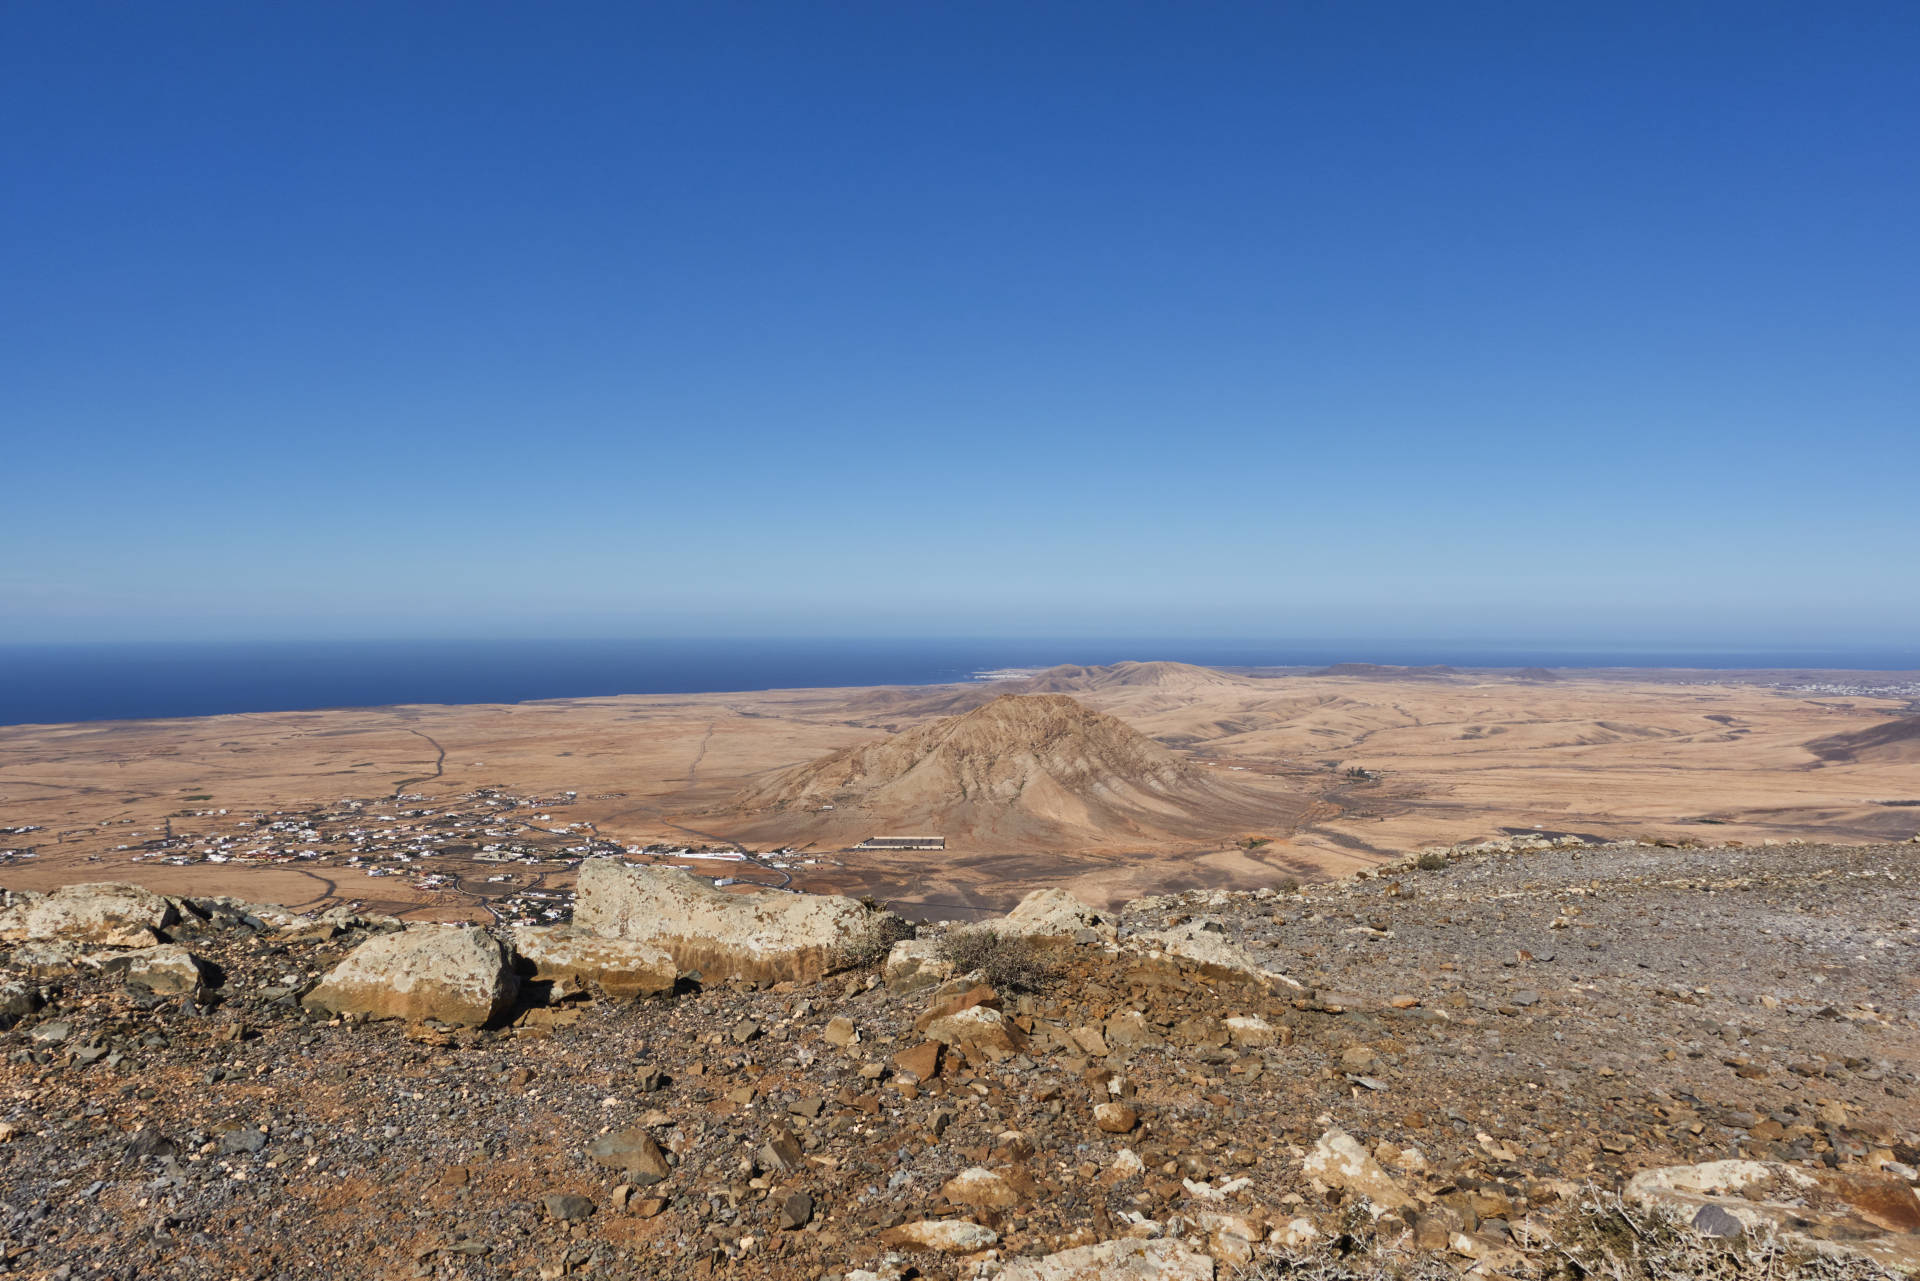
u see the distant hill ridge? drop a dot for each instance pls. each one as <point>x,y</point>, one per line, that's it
<point>1889,741</point>
<point>995,752</point>
<point>1022,767</point>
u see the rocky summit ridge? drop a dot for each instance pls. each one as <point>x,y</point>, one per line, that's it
<point>1529,1058</point>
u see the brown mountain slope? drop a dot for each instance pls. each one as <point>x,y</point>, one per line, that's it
<point>1890,741</point>
<point>1024,770</point>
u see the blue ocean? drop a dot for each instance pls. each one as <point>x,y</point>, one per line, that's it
<point>58,683</point>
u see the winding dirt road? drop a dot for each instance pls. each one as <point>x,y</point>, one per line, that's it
<point>439,765</point>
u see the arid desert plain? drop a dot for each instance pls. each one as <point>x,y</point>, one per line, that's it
<point>1110,782</point>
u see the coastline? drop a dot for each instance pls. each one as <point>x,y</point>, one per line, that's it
<point>74,684</point>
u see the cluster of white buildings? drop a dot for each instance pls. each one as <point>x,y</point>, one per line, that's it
<point>432,845</point>
<point>404,835</point>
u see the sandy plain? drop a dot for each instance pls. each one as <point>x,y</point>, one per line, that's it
<point>1685,757</point>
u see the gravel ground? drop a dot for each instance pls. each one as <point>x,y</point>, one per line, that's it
<point>1500,1030</point>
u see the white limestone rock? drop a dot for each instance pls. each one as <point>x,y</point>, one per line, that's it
<point>1338,1161</point>
<point>1052,913</point>
<point>1166,1259</point>
<point>574,960</point>
<point>945,1236</point>
<point>164,970</point>
<point>1204,943</point>
<point>760,935</point>
<point>447,973</point>
<point>108,913</point>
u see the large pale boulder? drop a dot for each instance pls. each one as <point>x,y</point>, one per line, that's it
<point>1338,1161</point>
<point>575,960</point>
<point>1051,913</point>
<point>110,913</point>
<point>761,935</point>
<point>165,970</point>
<point>450,974</point>
<point>1204,943</point>
<point>1165,1259</point>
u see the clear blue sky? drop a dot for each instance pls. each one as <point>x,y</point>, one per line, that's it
<point>1295,319</point>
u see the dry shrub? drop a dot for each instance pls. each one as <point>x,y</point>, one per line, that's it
<point>868,945</point>
<point>1010,962</point>
<point>1600,1238</point>
<point>1605,1237</point>
<point>1328,1264</point>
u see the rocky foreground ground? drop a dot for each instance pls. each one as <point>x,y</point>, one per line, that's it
<point>1455,1065</point>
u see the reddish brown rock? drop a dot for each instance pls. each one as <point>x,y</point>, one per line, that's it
<point>922,1062</point>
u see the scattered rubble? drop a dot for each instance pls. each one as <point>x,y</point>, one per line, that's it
<point>1495,1064</point>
